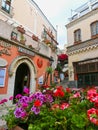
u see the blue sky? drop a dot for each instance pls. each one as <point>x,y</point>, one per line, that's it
<point>58,12</point>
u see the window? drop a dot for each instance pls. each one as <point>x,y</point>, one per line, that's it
<point>94,28</point>
<point>14,36</point>
<point>2,76</point>
<point>6,6</point>
<point>77,36</point>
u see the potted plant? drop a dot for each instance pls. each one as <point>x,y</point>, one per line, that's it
<point>22,39</point>
<point>34,37</point>
<point>21,29</point>
<point>55,109</point>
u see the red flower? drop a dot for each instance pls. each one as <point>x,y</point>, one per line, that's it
<point>59,92</point>
<point>45,86</point>
<point>76,95</point>
<point>37,103</point>
<point>92,95</point>
<point>64,106</point>
<point>3,101</point>
<point>68,90</point>
<point>11,98</point>
<point>93,115</point>
<point>62,57</point>
<point>55,106</point>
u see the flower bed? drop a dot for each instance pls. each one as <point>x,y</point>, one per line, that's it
<point>55,109</point>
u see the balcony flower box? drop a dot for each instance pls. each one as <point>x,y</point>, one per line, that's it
<point>21,29</point>
<point>35,38</point>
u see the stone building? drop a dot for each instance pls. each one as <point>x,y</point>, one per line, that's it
<point>27,45</point>
<point>82,50</point>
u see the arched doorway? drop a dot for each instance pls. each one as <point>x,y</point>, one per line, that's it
<point>14,77</point>
<point>22,78</point>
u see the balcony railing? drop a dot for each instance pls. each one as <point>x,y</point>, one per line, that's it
<point>29,43</point>
<point>88,43</point>
<point>84,9</point>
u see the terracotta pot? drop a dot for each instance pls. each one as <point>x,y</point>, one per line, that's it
<point>21,29</point>
<point>34,37</point>
<point>17,128</point>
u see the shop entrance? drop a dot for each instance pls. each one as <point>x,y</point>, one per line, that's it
<point>89,79</point>
<point>22,79</point>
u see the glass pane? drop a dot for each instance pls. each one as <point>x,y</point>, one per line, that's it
<point>2,76</point>
<point>7,7</point>
<point>3,3</point>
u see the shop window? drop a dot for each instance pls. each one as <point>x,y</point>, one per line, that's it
<point>2,76</point>
<point>94,29</point>
<point>6,6</point>
<point>77,36</point>
<point>92,67</point>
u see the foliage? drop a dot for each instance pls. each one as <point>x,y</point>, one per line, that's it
<point>55,109</point>
<point>49,70</point>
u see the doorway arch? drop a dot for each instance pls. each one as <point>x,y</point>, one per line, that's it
<point>15,68</point>
<point>22,78</point>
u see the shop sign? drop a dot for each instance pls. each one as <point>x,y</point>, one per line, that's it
<point>24,50</point>
<point>5,48</point>
<point>41,79</point>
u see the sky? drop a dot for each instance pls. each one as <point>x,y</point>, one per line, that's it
<point>58,12</point>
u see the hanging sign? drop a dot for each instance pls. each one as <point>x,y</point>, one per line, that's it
<point>40,80</point>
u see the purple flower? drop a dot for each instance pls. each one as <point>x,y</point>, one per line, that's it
<point>26,90</point>
<point>18,96</point>
<point>24,105</point>
<point>39,96</point>
<point>36,110</point>
<point>31,98</point>
<point>48,98</point>
<point>24,99</point>
<point>19,112</point>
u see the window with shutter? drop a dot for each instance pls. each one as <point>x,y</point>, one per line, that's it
<point>77,35</point>
<point>94,29</point>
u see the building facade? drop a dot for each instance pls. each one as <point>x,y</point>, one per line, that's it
<point>27,45</point>
<point>82,50</point>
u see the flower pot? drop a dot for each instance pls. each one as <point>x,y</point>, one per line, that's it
<point>35,38</point>
<point>17,128</point>
<point>21,126</point>
<point>21,29</point>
